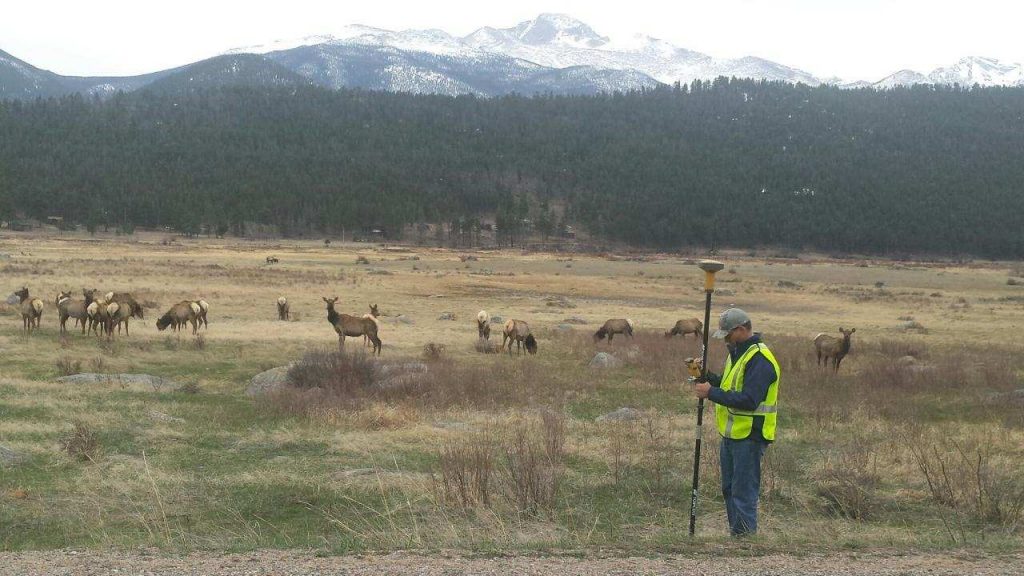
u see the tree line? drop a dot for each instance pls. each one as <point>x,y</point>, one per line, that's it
<point>725,163</point>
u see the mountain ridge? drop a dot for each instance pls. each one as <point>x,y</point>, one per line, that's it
<point>552,53</point>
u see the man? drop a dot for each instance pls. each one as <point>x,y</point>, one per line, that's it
<point>745,398</point>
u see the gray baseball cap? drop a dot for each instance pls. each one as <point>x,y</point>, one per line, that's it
<point>730,319</point>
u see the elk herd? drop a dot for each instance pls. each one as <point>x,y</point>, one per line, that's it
<point>102,314</point>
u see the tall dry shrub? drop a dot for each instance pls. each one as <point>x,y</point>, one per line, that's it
<point>977,485</point>
<point>521,467</point>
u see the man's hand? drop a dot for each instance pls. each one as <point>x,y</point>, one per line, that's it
<point>701,389</point>
<point>693,366</point>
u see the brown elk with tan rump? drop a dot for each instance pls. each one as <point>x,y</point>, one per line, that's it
<point>68,308</point>
<point>519,332</point>
<point>686,326</point>
<point>184,312</point>
<point>613,327</point>
<point>832,347</point>
<point>346,325</point>
<point>31,310</point>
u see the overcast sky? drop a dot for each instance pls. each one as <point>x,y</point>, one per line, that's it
<point>853,39</point>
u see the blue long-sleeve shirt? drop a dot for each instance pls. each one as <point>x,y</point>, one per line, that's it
<point>757,378</point>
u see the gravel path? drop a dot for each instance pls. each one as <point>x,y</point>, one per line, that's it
<point>290,563</point>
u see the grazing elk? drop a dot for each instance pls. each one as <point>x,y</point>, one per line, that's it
<point>687,326</point>
<point>283,310</point>
<point>184,312</point>
<point>345,325</point>
<point>519,332</point>
<point>204,307</point>
<point>831,347</point>
<point>31,310</point>
<point>613,327</point>
<point>483,325</point>
<point>374,313</point>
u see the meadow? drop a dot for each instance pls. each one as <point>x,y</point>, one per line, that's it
<point>916,443</point>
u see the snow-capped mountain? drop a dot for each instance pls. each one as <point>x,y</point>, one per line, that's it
<point>977,70</point>
<point>559,41</point>
<point>556,42</point>
<point>552,53</point>
<point>902,78</point>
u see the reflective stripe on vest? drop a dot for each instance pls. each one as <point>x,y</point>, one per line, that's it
<point>737,424</point>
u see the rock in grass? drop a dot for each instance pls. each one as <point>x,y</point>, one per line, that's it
<point>620,415</point>
<point>134,381</point>
<point>268,381</point>
<point>604,360</point>
<point>9,457</point>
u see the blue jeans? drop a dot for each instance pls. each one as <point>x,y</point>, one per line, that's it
<point>741,482</point>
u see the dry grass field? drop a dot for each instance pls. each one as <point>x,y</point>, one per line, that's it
<point>488,453</point>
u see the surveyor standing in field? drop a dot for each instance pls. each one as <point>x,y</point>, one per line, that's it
<point>745,398</point>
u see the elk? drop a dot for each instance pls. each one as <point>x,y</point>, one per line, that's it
<point>272,260</point>
<point>519,332</point>
<point>346,325</point>
<point>283,311</point>
<point>128,299</point>
<point>374,313</point>
<point>483,325</point>
<point>687,326</point>
<point>119,314</point>
<point>831,347</point>
<point>181,313</point>
<point>120,307</point>
<point>99,314</point>
<point>68,308</point>
<point>613,327</point>
<point>31,310</point>
<point>204,307</point>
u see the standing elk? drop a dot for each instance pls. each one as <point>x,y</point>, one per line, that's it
<point>613,327</point>
<point>519,332</point>
<point>483,325</point>
<point>68,308</point>
<point>346,325</point>
<point>283,310</point>
<point>374,313</point>
<point>831,347</point>
<point>687,326</point>
<point>31,310</point>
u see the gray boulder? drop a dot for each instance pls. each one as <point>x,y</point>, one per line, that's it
<point>604,360</point>
<point>400,374</point>
<point>126,381</point>
<point>620,415</point>
<point>447,316</point>
<point>9,457</point>
<point>268,381</point>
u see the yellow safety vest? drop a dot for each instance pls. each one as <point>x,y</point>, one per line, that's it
<point>737,424</point>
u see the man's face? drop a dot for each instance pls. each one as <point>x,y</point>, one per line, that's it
<point>737,335</point>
